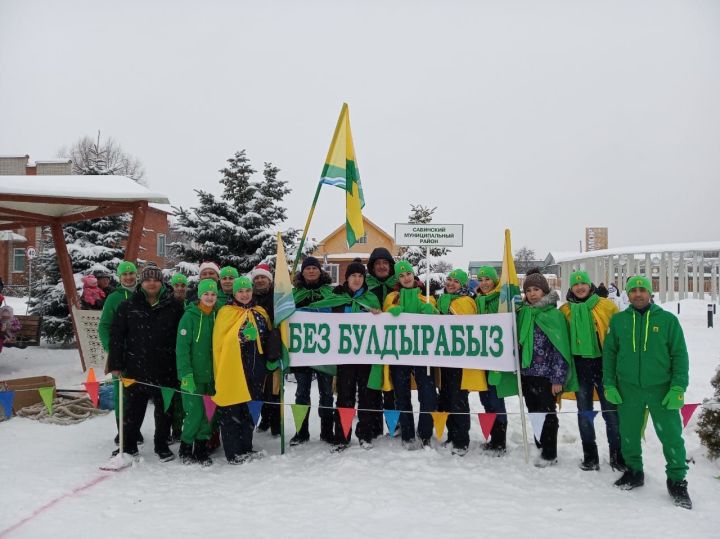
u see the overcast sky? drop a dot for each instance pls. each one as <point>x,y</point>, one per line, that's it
<point>541,116</point>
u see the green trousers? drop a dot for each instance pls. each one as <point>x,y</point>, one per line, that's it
<point>195,423</point>
<point>667,423</point>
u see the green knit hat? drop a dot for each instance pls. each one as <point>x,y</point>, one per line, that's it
<point>639,281</point>
<point>207,285</point>
<point>229,271</point>
<point>489,272</point>
<point>126,267</point>
<point>579,277</point>
<point>240,283</point>
<point>403,266</point>
<point>459,275</point>
<point>178,278</point>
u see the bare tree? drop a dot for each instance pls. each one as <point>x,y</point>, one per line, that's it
<point>524,259</point>
<point>103,158</point>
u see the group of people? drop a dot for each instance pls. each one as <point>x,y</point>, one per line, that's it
<point>219,340</point>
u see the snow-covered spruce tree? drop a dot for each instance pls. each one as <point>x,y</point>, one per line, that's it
<point>709,421</point>
<point>93,244</point>
<point>238,228</point>
<point>416,255</point>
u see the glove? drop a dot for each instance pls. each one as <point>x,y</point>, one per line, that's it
<point>395,311</point>
<point>427,308</point>
<point>674,399</point>
<point>613,395</point>
<point>250,333</point>
<point>187,383</point>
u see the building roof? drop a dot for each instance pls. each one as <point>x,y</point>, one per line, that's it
<point>555,257</point>
<point>9,235</point>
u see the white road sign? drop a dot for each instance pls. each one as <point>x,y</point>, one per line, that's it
<point>428,235</point>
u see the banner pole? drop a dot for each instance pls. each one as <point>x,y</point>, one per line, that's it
<point>305,231</point>
<point>427,282</point>
<point>519,382</point>
<point>282,406</point>
<point>121,418</point>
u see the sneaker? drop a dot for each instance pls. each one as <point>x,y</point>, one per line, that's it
<point>411,445</point>
<point>339,448</point>
<point>630,479</point>
<point>542,462</point>
<point>164,454</point>
<point>133,452</point>
<point>243,458</point>
<point>366,444</point>
<point>298,440</point>
<point>589,465</point>
<point>679,493</point>
<point>459,451</point>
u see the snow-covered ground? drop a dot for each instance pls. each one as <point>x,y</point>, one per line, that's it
<point>51,482</point>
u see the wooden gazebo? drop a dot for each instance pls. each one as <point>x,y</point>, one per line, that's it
<point>28,201</point>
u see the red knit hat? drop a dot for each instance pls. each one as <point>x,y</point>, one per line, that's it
<point>261,269</point>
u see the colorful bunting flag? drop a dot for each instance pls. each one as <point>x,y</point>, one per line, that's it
<point>346,418</point>
<point>589,414</point>
<point>210,406</point>
<point>93,391</point>
<point>487,420</point>
<point>127,382</point>
<point>255,407</point>
<point>6,401</point>
<point>687,411</point>
<point>646,414</point>
<point>439,421</point>
<point>341,170</point>
<point>537,420</point>
<point>167,394</point>
<point>91,375</point>
<point>391,418</point>
<point>46,394</point>
<point>299,411</point>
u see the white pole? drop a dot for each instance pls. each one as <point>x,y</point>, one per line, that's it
<point>121,418</point>
<point>427,282</point>
<point>27,305</point>
<point>519,383</point>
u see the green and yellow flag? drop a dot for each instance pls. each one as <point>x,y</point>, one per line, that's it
<point>341,170</point>
<point>509,282</point>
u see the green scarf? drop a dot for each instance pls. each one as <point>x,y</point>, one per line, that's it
<point>300,295</point>
<point>444,301</point>
<point>583,336</point>
<point>410,300</point>
<point>364,302</point>
<point>551,322</point>
<point>489,303</point>
<point>387,285</point>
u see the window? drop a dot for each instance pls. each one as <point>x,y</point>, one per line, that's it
<point>362,239</point>
<point>19,260</point>
<point>161,245</point>
<point>334,271</point>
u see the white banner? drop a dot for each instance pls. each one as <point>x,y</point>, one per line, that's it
<point>428,234</point>
<point>467,341</point>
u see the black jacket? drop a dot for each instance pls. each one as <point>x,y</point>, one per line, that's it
<point>142,338</point>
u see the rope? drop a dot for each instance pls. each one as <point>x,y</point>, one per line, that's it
<point>66,411</point>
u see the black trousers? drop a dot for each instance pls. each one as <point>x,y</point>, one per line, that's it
<point>137,397</point>
<point>352,380</point>
<point>453,399</point>
<point>271,412</point>
<point>537,392</point>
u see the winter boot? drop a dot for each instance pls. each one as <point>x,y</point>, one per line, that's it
<point>303,435</point>
<point>498,434</point>
<point>327,431</point>
<point>679,493</point>
<point>630,479</point>
<point>164,454</point>
<point>200,453</point>
<point>185,453</point>
<point>617,462</point>
<point>591,460</point>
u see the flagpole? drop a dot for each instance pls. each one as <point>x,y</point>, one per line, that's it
<point>519,382</point>
<point>307,227</point>
<point>282,405</point>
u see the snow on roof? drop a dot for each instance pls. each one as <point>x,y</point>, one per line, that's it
<point>167,208</point>
<point>343,256</point>
<point>53,161</point>
<point>6,235</point>
<point>558,256</point>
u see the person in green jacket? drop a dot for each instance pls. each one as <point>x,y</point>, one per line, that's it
<point>228,274</point>
<point>193,352</point>
<point>645,365</point>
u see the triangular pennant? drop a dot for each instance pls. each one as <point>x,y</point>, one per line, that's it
<point>487,420</point>
<point>687,411</point>
<point>91,376</point>
<point>127,382</point>
<point>391,418</point>
<point>588,414</point>
<point>167,395</point>
<point>210,406</point>
<point>439,421</point>
<point>346,418</point>
<point>299,411</point>
<point>93,391</point>
<point>6,401</point>
<point>46,393</point>
<point>537,420</point>
<point>646,414</point>
<point>255,407</point>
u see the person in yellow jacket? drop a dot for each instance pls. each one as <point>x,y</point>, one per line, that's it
<point>408,298</point>
<point>239,342</point>
<point>588,316</point>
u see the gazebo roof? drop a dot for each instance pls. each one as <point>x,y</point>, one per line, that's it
<point>35,200</point>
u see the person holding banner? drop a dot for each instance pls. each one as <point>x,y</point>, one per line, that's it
<point>546,361</point>
<point>239,342</point>
<point>453,397</point>
<point>487,301</point>
<point>313,284</point>
<point>588,317</point>
<point>354,297</point>
<point>408,298</point>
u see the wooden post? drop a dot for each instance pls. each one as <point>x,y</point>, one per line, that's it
<point>136,230</point>
<point>63,258</point>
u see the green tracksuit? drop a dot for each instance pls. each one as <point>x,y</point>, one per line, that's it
<point>644,355</point>
<point>194,355</point>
